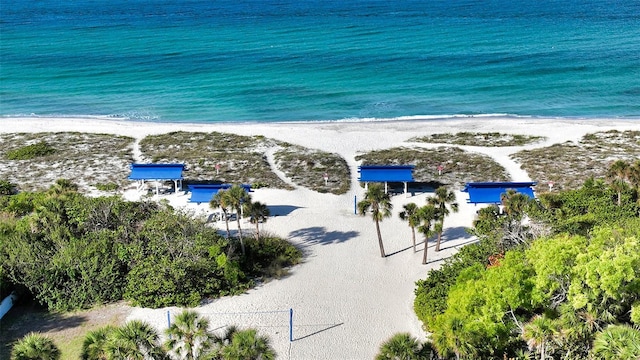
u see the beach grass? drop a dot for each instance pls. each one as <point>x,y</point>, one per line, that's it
<point>569,164</point>
<point>34,161</point>
<point>307,167</point>
<point>458,166</point>
<point>231,158</point>
<point>487,139</point>
<point>215,157</point>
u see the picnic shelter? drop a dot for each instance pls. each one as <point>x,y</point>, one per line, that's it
<point>491,192</point>
<point>386,174</point>
<point>203,193</point>
<point>157,172</point>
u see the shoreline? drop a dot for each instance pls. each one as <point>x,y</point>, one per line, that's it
<point>346,299</point>
<point>410,118</point>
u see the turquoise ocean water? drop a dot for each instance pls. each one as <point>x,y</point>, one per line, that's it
<point>282,60</point>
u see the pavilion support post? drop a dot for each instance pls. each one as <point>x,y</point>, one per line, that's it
<point>366,186</point>
<point>406,189</point>
<point>386,188</point>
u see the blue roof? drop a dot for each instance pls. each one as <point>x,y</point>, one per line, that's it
<point>490,192</point>
<point>156,171</point>
<point>386,173</point>
<point>205,192</point>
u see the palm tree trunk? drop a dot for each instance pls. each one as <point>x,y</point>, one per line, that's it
<point>226,220</point>
<point>380,239</point>
<point>413,237</point>
<point>619,198</point>
<point>257,230</point>
<point>438,241</point>
<point>240,233</point>
<point>424,254</point>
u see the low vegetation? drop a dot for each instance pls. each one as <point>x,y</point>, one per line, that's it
<point>567,165</point>
<point>28,152</point>
<point>230,158</point>
<point>441,165</point>
<point>308,167</point>
<point>479,139</point>
<point>220,157</point>
<point>86,158</point>
<point>551,278</point>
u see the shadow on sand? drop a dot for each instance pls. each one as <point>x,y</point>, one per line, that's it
<point>24,319</point>
<point>323,328</point>
<point>281,210</point>
<point>318,235</point>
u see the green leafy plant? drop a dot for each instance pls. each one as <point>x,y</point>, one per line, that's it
<point>39,149</point>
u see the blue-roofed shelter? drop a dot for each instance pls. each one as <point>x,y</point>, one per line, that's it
<point>386,174</point>
<point>490,192</point>
<point>157,172</point>
<point>203,193</point>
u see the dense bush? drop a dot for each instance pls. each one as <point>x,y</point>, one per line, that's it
<point>72,251</point>
<point>431,293</point>
<point>550,294</point>
<point>564,288</point>
<point>41,148</point>
<point>578,211</point>
<point>269,256</point>
<point>7,187</point>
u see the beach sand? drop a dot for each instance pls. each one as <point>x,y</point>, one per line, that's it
<point>346,299</point>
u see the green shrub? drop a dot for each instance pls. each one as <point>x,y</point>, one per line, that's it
<point>432,292</point>
<point>41,148</point>
<point>269,256</point>
<point>71,251</point>
<point>107,187</point>
<point>7,187</point>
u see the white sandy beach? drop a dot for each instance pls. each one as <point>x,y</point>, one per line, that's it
<point>346,299</point>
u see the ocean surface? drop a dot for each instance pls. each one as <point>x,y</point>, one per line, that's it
<point>309,60</point>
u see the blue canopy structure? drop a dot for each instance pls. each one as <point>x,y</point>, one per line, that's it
<point>203,193</point>
<point>490,192</point>
<point>386,173</point>
<point>157,172</point>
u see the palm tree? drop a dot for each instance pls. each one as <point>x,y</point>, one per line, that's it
<point>634,174</point>
<point>379,203</point>
<point>410,214</point>
<point>235,198</point>
<point>427,215</point>
<point>442,198</point>
<point>35,346</point>
<point>401,346</point>
<point>135,340</point>
<point>257,213</point>
<point>453,339</point>
<point>188,336</point>
<point>247,345</point>
<point>617,342</point>
<point>219,201</point>
<point>94,344</point>
<point>514,204</point>
<point>63,186</point>
<point>618,174</point>
<point>538,332</point>
<point>221,341</point>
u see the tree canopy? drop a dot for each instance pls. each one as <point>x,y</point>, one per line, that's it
<point>70,251</point>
